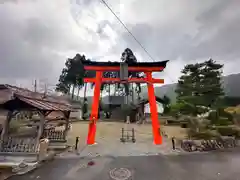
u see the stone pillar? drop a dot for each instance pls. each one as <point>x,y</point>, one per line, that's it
<point>43,147</point>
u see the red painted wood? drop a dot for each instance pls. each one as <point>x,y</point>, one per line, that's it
<point>114,68</point>
<point>130,80</point>
<point>157,138</point>
<point>94,112</point>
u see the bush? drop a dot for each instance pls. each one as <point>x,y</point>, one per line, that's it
<point>206,135</point>
<point>128,109</point>
<point>14,125</point>
<point>184,125</point>
<point>223,122</point>
<point>173,122</point>
<point>228,131</point>
<point>220,117</point>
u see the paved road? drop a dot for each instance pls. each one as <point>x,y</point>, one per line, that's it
<point>205,166</point>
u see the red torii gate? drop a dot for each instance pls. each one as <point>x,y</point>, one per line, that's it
<point>146,67</point>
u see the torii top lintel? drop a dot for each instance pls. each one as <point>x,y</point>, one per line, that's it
<point>146,67</point>
<point>115,66</point>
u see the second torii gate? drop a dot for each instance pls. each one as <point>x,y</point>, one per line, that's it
<point>146,67</point>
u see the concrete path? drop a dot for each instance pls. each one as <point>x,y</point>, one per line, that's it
<point>203,166</point>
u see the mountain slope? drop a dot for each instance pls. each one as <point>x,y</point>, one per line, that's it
<point>231,85</point>
<point>168,90</point>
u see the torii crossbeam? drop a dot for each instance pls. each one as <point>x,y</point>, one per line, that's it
<point>147,68</point>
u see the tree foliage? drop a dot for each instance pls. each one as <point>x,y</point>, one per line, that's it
<point>199,88</point>
<point>130,58</point>
<point>72,75</point>
<point>166,104</point>
<point>123,89</point>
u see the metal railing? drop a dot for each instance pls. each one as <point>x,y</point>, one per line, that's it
<point>54,135</point>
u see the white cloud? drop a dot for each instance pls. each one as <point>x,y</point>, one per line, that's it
<point>37,36</point>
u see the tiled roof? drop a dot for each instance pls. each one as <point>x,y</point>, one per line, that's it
<point>35,99</point>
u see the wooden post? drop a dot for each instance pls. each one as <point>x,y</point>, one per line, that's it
<point>5,127</point>
<point>41,126</point>
<point>95,106</point>
<point>66,116</point>
<point>157,138</point>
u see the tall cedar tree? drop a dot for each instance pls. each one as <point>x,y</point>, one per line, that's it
<point>200,86</point>
<point>130,58</point>
<point>72,75</point>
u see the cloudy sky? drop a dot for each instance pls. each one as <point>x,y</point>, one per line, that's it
<point>36,36</point>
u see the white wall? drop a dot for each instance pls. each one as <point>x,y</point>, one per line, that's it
<point>159,108</point>
<point>77,114</point>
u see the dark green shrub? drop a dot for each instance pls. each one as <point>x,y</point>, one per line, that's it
<point>220,117</point>
<point>173,122</point>
<point>227,131</point>
<point>223,113</point>
<point>223,122</point>
<point>202,135</point>
<point>184,125</point>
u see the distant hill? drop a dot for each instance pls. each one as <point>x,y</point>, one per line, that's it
<point>231,85</point>
<point>168,90</point>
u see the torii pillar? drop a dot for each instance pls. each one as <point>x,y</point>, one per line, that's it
<point>147,68</point>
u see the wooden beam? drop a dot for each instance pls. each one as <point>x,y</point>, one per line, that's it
<point>114,68</point>
<point>130,80</point>
<point>46,113</point>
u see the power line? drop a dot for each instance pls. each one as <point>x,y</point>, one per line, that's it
<point>104,2</point>
<point>151,57</point>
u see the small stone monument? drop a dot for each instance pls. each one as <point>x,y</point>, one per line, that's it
<point>43,147</point>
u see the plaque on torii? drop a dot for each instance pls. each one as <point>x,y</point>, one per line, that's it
<point>147,67</point>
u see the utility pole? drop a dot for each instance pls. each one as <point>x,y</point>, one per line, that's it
<point>35,85</point>
<point>45,90</point>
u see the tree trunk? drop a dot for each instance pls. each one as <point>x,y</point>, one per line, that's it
<point>85,91</point>
<point>84,109</point>
<point>132,93</point>
<point>109,91</point>
<point>109,105</point>
<point>115,89</point>
<point>101,95</point>
<point>78,92</point>
<point>68,93</point>
<point>73,89</point>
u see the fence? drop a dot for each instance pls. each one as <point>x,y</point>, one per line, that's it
<point>26,145</point>
<point>208,145</point>
<point>54,135</point>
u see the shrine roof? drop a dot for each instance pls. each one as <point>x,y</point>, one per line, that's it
<point>138,64</point>
<point>12,96</point>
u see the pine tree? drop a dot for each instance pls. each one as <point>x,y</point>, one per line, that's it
<point>199,88</point>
